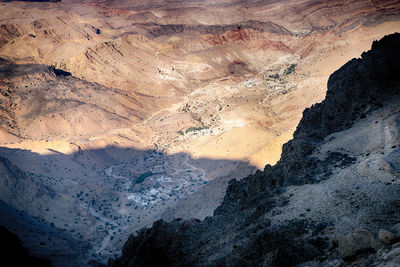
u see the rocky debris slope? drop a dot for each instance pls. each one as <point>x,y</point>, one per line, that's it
<point>338,175</point>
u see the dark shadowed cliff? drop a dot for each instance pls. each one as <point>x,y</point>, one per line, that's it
<point>261,221</point>
<point>14,254</point>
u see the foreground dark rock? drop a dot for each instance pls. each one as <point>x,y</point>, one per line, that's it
<point>248,229</point>
<point>12,253</point>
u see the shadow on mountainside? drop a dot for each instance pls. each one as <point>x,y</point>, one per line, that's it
<point>14,254</point>
<point>81,205</point>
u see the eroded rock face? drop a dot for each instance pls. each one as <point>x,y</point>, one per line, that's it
<point>358,88</point>
<point>240,232</point>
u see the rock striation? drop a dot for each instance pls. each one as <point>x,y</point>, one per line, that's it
<point>244,230</point>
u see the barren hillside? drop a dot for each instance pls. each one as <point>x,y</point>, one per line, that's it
<point>119,113</point>
<point>331,200</point>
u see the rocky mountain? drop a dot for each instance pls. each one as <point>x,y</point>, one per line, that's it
<point>115,114</point>
<point>332,198</point>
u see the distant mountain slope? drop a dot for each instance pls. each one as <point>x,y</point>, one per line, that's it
<point>167,66</point>
<point>338,174</point>
<point>40,102</point>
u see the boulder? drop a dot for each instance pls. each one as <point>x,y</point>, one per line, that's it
<point>357,242</point>
<point>386,237</point>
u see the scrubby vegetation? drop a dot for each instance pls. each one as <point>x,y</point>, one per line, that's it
<point>275,76</point>
<point>290,69</point>
<point>193,129</point>
<point>140,179</point>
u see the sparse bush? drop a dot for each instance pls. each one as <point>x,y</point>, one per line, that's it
<point>143,176</point>
<point>290,69</point>
<point>194,129</point>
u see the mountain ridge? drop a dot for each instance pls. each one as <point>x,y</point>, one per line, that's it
<point>238,233</point>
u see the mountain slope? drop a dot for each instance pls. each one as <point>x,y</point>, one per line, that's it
<point>41,102</point>
<point>182,64</point>
<point>114,114</point>
<point>338,174</point>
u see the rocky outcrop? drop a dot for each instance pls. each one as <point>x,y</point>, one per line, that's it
<point>240,233</point>
<point>362,248</point>
<point>158,239</point>
<point>358,88</point>
<point>357,242</point>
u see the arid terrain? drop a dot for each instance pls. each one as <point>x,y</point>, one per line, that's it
<point>331,200</point>
<point>115,114</point>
